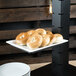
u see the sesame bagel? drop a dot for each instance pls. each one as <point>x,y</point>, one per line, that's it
<point>21,39</point>
<point>34,41</point>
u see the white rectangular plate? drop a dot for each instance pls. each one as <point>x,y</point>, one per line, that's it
<point>26,49</point>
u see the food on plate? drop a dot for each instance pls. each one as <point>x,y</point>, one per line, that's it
<point>50,34</point>
<point>40,31</point>
<point>21,39</point>
<point>56,38</point>
<point>30,32</point>
<point>59,38</point>
<point>34,41</point>
<point>46,40</point>
<point>38,38</point>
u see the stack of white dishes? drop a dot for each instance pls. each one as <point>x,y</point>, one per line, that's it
<point>14,69</point>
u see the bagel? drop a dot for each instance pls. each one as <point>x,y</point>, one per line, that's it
<point>31,32</point>
<point>40,31</point>
<point>34,41</point>
<point>56,38</point>
<point>46,40</point>
<point>21,39</point>
<point>50,34</point>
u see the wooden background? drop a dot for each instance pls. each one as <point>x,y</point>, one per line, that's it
<point>27,10</point>
<point>21,15</point>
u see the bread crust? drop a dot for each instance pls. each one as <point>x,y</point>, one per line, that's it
<point>30,32</point>
<point>40,31</point>
<point>56,38</point>
<point>46,40</point>
<point>34,41</point>
<point>21,38</point>
<point>50,34</point>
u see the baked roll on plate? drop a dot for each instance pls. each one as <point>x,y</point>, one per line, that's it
<point>31,32</point>
<point>34,41</point>
<point>21,39</point>
<point>41,31</point>
<point>56,38</point>
<point>45,40</point>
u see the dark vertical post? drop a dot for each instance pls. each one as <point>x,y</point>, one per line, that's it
<point>60,23</point>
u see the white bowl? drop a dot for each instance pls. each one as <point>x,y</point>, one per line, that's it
<point>14,69</point>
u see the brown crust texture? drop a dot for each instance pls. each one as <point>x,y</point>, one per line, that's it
<point>40,31</point>
<point>30,32</point>
<point>34,41</point>
<point>46,40</point>
<point>56,38</point>
<point>21,39</point>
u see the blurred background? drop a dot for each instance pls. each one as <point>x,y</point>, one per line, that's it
<point>21,15</point>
